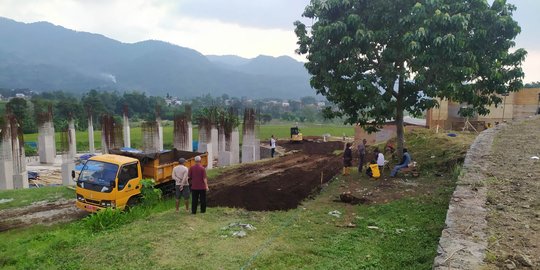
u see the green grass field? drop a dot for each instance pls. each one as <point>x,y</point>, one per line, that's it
<point>406,234</point>
<point>28,196</point>
<point>265,131</point>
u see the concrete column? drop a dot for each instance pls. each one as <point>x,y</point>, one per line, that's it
<point>235,146</point>
<point>91,146</point>
<point>46,143</point>
<point>104,148</point>
<point>190,137</point>
<point>221,140</point>
<point>207,147</point>
<point>127,132</point>
<point>68,163</point>
<point>248,153</point>
<point>160,134</point>
<point>71,137</point>
<point>214,139</point>
<point>257,147</point>
<point>225,158</point>
<point>6,159</point>
<point>20,175</point>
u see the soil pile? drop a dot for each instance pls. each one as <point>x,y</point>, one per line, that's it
<point>280,183</point>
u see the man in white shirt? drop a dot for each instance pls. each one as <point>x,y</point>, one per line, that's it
<point>273,145</point>
<point>380,159</point>
<point>181,187</point>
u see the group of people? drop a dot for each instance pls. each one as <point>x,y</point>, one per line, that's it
<point>376,165</point>
<point>192,181</point>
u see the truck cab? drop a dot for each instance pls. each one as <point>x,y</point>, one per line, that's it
<point>108,181</point>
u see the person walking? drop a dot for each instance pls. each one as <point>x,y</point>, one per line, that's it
<point>272,145</point>
<point>180,176</point>
<point>404,163</point>
<point>361,155</point>
<point>199,185</point>
<point>347,159</point>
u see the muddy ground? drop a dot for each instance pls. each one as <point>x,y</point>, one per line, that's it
<point>513,198</point>
<point>43,212</point>
<point>280,183</point>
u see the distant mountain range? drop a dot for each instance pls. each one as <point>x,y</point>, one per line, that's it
<point>44,57</point>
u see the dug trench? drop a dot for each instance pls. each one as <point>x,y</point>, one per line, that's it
<point>281,183</point>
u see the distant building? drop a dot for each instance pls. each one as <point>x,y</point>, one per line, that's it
<point>20,95</point>
<point>517,105</point>
<point>285,104</point>
<point>321,104</point>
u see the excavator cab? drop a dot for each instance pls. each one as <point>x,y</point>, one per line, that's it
<point>296,136</point>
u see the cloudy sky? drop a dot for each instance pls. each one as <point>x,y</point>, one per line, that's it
<point>241,27</point>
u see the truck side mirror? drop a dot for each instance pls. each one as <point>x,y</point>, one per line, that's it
<point>73,175</point>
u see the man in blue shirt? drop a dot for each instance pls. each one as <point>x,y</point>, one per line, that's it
<point>404,163</point>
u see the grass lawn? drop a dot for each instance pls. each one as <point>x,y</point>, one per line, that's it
<point>265,131</point>
<point>28,196</point>
<point>403,231</point>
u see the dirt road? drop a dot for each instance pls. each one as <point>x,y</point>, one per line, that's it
<point>43,212</point>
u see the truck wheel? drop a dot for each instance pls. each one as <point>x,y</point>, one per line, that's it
<point>132,202</point>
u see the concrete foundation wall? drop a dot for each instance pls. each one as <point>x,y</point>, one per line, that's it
<point>225,158</point>
<point>248,153</point>
<point>67,167</point>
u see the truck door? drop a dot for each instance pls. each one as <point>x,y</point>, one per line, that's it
<point>128,183</point>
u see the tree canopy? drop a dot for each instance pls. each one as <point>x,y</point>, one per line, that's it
<point>376,59</point>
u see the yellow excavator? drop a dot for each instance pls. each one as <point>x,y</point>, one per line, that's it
<point>296,136</point>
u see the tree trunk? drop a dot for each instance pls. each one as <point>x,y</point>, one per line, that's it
<point>399,118</point>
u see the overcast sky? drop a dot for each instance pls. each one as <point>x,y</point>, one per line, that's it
<point>246,28</point>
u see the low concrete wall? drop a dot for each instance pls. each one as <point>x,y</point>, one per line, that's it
<point>463,241</point>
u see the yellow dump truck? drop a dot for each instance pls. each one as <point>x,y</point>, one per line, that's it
<point>114,180</point>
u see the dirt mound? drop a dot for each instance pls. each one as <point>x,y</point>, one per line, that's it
<point>278,184</point>
<point>312,147</point>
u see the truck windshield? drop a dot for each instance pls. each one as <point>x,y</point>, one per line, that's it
<point>98,173</point>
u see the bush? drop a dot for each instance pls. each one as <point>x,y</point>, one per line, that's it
<point>30,151</point>
<point>150,194</point>
<point>107,218</point>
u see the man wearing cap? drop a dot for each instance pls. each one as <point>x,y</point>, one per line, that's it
<point>199,185</point>
<point>180,176</point>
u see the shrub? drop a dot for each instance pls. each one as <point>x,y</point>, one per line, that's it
<point>105,219</point>
<point>150,194</point>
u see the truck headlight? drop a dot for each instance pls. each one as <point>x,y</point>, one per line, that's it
<point>80,198</point>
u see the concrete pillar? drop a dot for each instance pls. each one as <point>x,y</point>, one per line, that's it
<point>20,175</point>
<point>221,140</point>
<point>235,146</point>
<point>160,134</point>
<point>257,147</point>
<point>190,137</point>
<point>127,132</point>
<point>248,153</point>
<point>68,165</point>
<point>225,158</point>
<point>214,139</point>
<point>46,143</point>
<point>72,138</point>
<point>150,137</point>
<point>91,146</point>
<point>207,147</point>
<point>104,148</point>
<point>6,159</point>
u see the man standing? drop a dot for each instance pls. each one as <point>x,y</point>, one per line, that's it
<point>361,155</point>
<point>180,176</point>
<point>272,145</point>
<point>199,185</point>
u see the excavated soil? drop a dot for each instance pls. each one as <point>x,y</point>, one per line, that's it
<point>280,183</point>
<point>43,212</point>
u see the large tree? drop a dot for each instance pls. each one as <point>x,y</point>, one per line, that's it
<point>376,59</point>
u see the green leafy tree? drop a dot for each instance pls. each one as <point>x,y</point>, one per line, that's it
<point>377,59</point>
